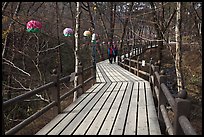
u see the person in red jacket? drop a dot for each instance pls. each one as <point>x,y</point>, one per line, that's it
<point>110,54</point>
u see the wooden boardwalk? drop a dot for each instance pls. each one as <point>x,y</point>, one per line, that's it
<point>119,103</point>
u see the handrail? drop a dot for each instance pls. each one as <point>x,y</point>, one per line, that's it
<point>186,126</point>
<point>180,107</point>
<point>27,94</point>
<point>54,103</point>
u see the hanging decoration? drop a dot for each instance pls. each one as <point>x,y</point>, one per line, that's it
<point>33,26</point>
<point>87,33</point>
<point>68,32</point>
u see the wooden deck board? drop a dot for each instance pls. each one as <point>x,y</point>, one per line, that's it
<point>142,127</point>
<point>121,117</point>
<point>109,121</point>
<point>80,115</point>
<point>130,128</point>
<point>119,103</point>
<point>76,108</point>
<point>59,117</point>
<point>93,129</point>
<point>85,125</point>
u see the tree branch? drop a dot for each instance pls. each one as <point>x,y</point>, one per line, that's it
<point>51,48</point>
<point>12,64</point>
<point>21,84</point>
<point>170,19</point>
<point>196,12</point>
<point>37,9</point>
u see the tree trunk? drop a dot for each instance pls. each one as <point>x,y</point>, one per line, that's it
<point>9,28</point>
<point>159,34</point>
<point>112,21</point>
<point>178,48</point>
<point>77,31</point>
<point>124,28</point>
<point>59,60</point>
<point>102,21</point>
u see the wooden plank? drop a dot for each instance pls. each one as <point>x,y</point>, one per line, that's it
<point>108,123</point>
<point>108,72</point>
<point>47,128</point>
<point>95,126</point>
<point>130,128</point>
<point>114,73</point>
<point>118,76</point>
<point>127,74</point>
<point>71,114</point>
<point>86,109</point>
<point>142,127</point>
<point>111,73</point>
<point>99,75</point>
<point>104,74</point>
<point>154,128</point>
<point>88,120</point>
<point>122,114</point>
<point>51,124</point>
<point>115,105</point>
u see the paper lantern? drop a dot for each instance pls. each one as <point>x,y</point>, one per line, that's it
<point>87,33</point>
<point>68,32</point>
<point>33,26</point>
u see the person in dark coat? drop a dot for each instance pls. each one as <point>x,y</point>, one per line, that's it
<point>115,52</point>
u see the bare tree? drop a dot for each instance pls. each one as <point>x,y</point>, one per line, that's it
<point>9,29</point>
<point>112,20</point>
<point>178,48</point>
<point>125,25</point>
<point>59,60</point>
<point>77,30</point>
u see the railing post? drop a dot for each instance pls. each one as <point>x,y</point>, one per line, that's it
<point>162,98</point>
<point>3,121</point>
<point>129,64</point>
<point>155,82</point>
<point>128,50</point>
<point>119,59</point>
<point>138,66</point>
<point>136,50</point>
<point>81,78</point>
<point>182,107</point>
<point>56,93</point>
<point>150,70</point>
<point>93,73</point>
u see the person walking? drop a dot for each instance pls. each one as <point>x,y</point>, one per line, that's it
<point>110,54</point>
<point>115,52</point>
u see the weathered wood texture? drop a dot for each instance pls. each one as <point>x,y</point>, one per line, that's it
<point>120,103</point>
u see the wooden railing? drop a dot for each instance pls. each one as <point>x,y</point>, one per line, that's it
<point>56,97</point>
<point>180,107</point>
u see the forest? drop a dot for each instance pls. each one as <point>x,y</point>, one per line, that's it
<point>30,58</point>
